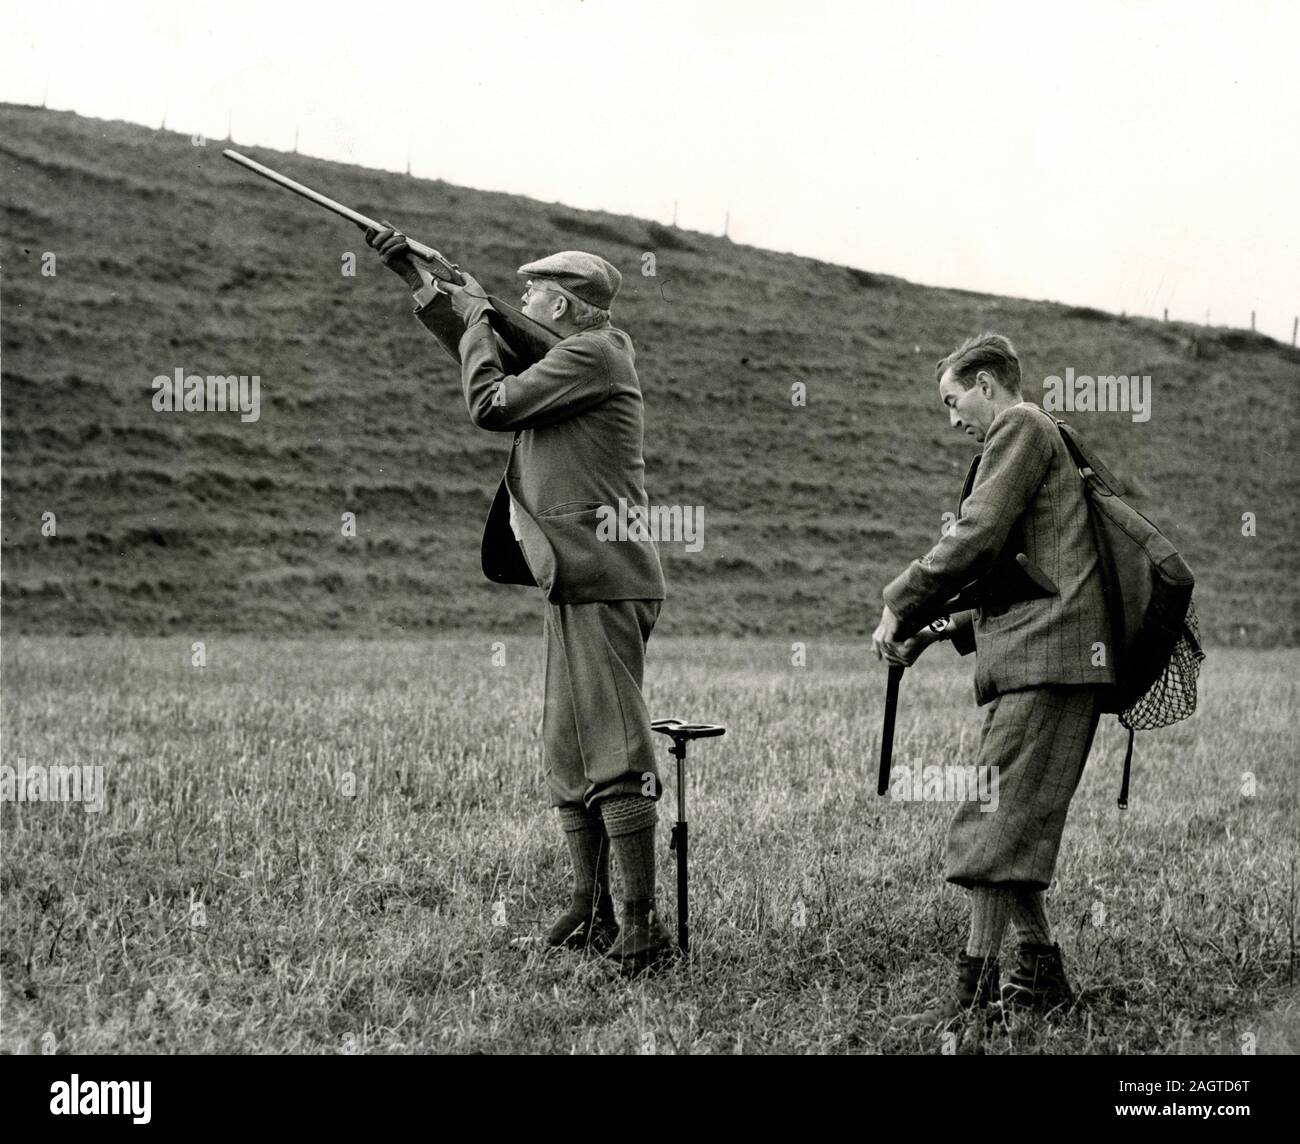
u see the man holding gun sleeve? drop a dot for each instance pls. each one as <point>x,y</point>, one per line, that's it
<point>576,420</point>
<point>1040,665</point>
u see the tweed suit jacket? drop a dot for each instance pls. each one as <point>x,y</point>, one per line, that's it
<point>1023,494</point>
<point>577,421</point>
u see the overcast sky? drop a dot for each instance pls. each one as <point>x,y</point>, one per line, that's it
<point>1126,155</point>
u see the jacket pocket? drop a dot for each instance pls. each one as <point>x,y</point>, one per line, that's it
<point>570,508</point>
<point>1009,617</point>
<point>582,557</point>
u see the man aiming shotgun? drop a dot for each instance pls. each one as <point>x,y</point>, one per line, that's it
<point>1036,667</point>
<point>559,378</point>
<point>576,417</point>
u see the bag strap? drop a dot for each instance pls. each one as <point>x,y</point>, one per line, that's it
<point>1090,464</point>
<point>1085,458</point>
<point>1128,765</point>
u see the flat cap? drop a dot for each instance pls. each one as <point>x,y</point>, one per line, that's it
<point>586,276</point>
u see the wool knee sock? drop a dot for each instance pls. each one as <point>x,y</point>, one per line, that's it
<point>1029,916</point>
<point>989,908</point>
<point>589,853</point>
<point>630,823</point>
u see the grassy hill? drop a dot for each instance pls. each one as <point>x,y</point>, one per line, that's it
<point>169,257</point>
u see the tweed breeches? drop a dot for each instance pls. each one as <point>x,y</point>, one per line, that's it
<point>1038,739</point>
<point>596,736</point>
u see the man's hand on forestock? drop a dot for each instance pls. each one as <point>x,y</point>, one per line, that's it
<point>396,255</point>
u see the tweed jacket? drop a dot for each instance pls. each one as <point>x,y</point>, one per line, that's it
<point>577,421</point>
<point>1023,494</point>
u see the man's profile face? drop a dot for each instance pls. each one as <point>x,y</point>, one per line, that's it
<point>539,301</point>
<point>970,410</point>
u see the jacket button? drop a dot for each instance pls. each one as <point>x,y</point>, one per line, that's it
<point>516,438</point>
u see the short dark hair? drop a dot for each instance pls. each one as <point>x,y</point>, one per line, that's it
<point>990,352</point>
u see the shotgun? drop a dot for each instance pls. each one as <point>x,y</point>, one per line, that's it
<point>1007,582</point>
<point>887,733</point>
<point>528,340</point>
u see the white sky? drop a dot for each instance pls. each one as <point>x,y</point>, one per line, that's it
<point>1127,155</point>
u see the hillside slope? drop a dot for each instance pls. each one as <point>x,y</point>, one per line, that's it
<point>168,257</point>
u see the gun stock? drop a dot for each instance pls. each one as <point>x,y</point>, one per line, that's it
<point>528,340</point>
<point>1010,580</point>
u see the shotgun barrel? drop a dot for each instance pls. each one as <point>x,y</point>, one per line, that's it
<point>887,731</point>
<point>528,340</point>
<point>439,267</point>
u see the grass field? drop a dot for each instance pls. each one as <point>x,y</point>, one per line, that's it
<point>403,918</point>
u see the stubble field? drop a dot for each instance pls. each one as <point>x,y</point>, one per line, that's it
<point>233,896</point>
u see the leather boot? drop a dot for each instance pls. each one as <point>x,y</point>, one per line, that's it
<point>586,925</point>
<point>642,941</point>
<point>976,988</point>
<point>1038,982</point>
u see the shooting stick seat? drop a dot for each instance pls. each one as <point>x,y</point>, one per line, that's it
<point>681,734</point>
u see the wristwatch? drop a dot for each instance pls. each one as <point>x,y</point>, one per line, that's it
<point>940,626</point>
